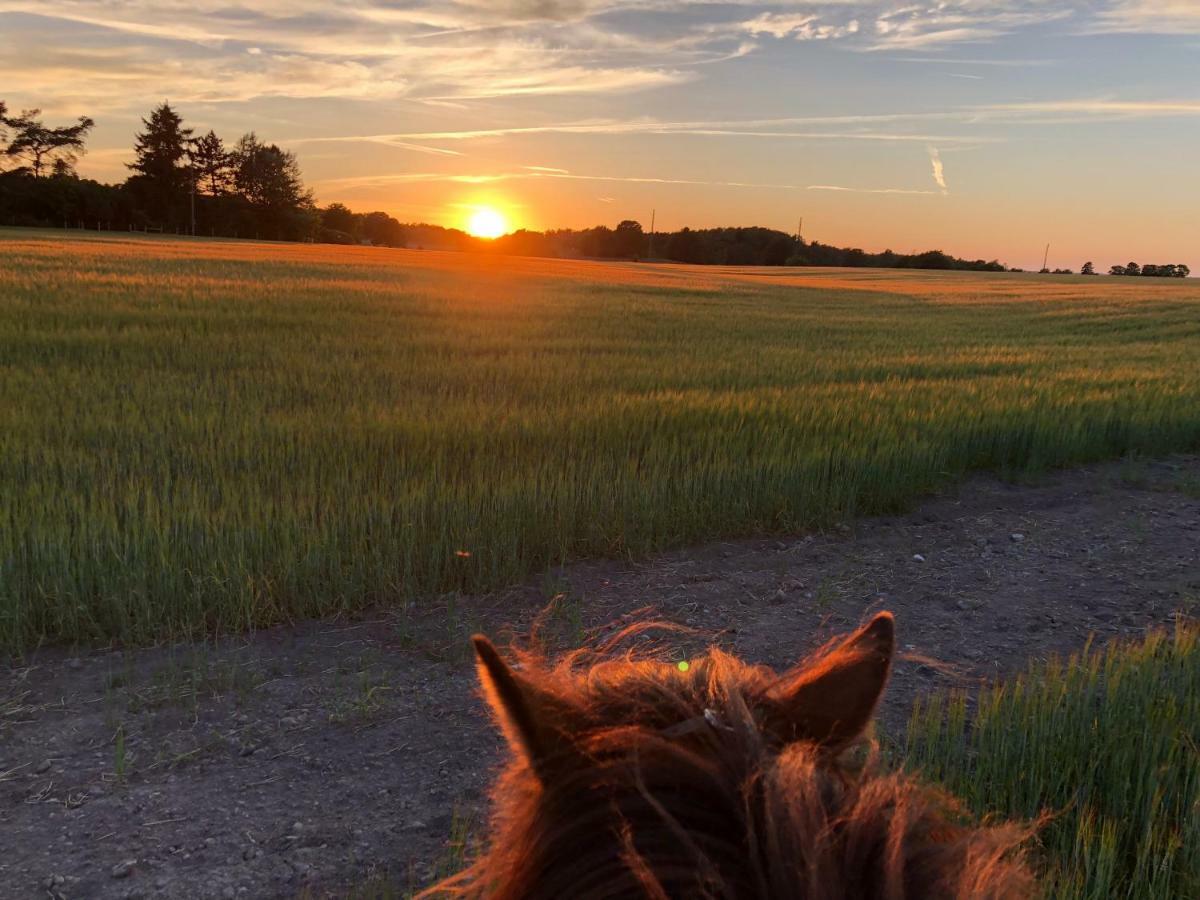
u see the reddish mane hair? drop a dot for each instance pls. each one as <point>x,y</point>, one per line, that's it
<point>632,778</point>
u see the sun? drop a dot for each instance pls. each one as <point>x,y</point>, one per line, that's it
<point>486,222</point>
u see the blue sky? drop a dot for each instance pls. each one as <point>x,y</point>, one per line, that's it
<point>986,129</point>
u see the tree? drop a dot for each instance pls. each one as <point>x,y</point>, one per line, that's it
<point>162,163</point>
<point>1087,269</point>
<point>382,230</point>
<point>3,129</point>
<point>211,163</point>
<point>39,146</point>
<point>1133,269</point>
<point>932,259</point>
<point>1116,270</point>
<point>265,175</point>
<point>628,240</point>
<point>341,220</point>
<point>268,179</point>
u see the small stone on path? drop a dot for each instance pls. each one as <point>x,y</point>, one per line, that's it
<point>124,868</point>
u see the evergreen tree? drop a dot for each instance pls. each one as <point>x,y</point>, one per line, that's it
<point>212,165</point>
<point>162,163</point>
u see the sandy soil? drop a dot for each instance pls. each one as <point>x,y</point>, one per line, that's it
<point>313,756</point>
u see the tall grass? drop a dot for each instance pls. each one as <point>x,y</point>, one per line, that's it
<point>1108,741</point>
<point>207,436</point>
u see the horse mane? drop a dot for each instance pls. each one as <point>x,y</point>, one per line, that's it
<point>631,777</point>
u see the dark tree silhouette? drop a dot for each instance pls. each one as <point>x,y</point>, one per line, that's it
<point>3,130</point>
<point>37,147</point>
<point>164,177</point>
<point>382,230</point>
<point>628,240</point>
<point>1087,269</point>
<point>268,179</point>
<point>344,223</point>
<point>211,162</point>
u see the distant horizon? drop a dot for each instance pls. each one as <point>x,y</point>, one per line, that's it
<point>985,130</point>
<point>1102,267</point>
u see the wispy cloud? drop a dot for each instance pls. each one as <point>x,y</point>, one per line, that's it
<point>783,127</point>
<point>854,190</point>
<point>386,140</point>
<point>801,27</point>
<point>1031,113</point>
<point>441,51</point>
<point>1008,63</point>
<point>1173,17</point>
<point>1083,110</point>
<point>939,170</point>
<point>375,181</point>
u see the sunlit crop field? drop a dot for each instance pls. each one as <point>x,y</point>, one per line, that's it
<point>210,436</point>
<point>1107,743</point>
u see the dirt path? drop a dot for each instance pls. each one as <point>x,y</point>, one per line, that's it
<point>319,754</point>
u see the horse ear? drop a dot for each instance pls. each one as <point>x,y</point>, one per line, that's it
<point>532,720</point>
<point>832,701</point>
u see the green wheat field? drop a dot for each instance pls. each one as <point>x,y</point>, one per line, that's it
<point>204,436</point>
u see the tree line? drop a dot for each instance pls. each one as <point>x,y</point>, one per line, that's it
<point>1170,270</point>
<point>178,182</point>
<point>752,246</point>
<point>185,183</point>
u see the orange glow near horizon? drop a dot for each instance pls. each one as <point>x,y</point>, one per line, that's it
<point>487,222</point>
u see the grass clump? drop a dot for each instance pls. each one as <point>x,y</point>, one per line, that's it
<point>1108,742</point>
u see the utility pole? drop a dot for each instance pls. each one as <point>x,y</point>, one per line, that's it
<point>191,173</point>
<point>800,231</point>
<point>650,246</point>
<point>1046,259</point>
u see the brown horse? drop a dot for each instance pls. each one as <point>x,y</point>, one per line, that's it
<point>636,778</point>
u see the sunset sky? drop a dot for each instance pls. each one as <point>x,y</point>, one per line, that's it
<point>982,128</point>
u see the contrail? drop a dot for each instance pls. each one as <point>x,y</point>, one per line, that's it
<point>939,173</point>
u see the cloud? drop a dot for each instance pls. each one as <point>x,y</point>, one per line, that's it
<point>217,51</point>
<point>446,51</point>
<point>387,140</point>
<point>766,128</point>
<point>951,22</point>
<point>801,27</point>
<point>851,190</point>
<point>376,181</point>
<point>1172,17</point>
<point>939,171</point>
<point>1059,112</point>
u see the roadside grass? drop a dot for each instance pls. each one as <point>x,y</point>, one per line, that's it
<point>201,438</point>
<point>1107,741</point>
